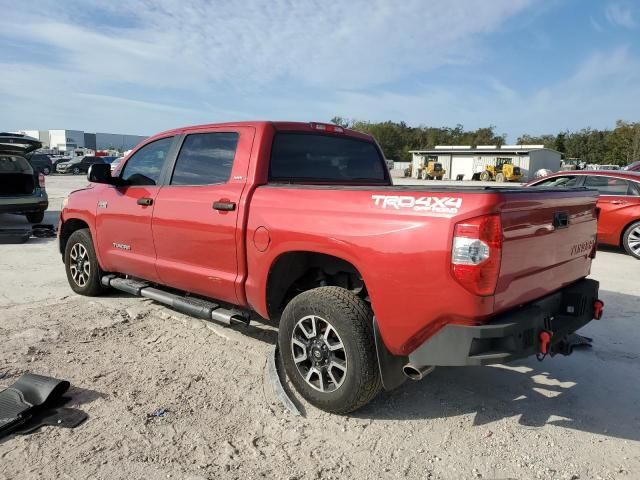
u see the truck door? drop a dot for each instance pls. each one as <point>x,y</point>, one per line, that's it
<point>123,214</point>
<point>195,221</point>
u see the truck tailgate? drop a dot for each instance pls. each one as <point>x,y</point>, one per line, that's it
<point>549,239</point>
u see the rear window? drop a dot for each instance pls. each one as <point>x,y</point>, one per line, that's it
<point>302,157</point>
<point>11,164</point>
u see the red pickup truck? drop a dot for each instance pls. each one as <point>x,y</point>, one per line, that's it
<point>369,283</point>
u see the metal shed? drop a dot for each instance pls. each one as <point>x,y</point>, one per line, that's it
<point>466,160</point>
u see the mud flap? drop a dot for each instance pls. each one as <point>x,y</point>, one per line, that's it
<point>390,365</point>
<point>278,381</point>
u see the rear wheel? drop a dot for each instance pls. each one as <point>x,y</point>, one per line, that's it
<point>500,177</point>
<point>76,170</point>
<point>46,170</point>
<point>81,264</point>
<point>485,176</point>
<point>631,240</point>
<point>327,347</point>
<point>35,217</point>
<point>424,175</point>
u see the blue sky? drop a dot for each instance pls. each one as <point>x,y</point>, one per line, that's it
<point>143,66</point>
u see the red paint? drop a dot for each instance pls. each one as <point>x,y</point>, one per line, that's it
<point>403,255</point>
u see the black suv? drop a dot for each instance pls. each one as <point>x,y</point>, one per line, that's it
<point>77,165</point>
<point>22,189</point>
<point>41,163</point>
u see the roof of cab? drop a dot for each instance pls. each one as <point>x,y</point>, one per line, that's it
<point>261,124</point>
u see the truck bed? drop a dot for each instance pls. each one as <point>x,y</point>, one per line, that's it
<point>400,240</point>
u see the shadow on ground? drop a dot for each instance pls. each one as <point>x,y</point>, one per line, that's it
<point>594,390</point>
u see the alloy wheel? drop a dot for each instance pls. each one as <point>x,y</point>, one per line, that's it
<point>633,241</point>
<point>319,354</point>
<point>79,265</point>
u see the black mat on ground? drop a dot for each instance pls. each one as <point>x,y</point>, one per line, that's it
<point>31,394</point>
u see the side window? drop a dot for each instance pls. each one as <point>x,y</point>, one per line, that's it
<point>608,185</point>
<point>568,181</point>
<point>205,159</point>
<point>144,167</point>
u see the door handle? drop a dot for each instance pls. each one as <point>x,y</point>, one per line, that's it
<point>224,206</point>
<point>145,201</point>
<point>560,219</point>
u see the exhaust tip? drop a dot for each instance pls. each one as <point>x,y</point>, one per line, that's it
<point>416,373</point>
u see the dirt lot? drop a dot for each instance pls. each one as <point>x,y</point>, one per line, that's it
<point>565,418</point>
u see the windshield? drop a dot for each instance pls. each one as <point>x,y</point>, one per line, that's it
<point>12,164</point>
<point>317,158</point>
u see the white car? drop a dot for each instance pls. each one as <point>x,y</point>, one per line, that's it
<point>116,163</point>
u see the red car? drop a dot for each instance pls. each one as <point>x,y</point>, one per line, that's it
<point>633,167</point>
<point>369,283</point>
<point>619,203</point>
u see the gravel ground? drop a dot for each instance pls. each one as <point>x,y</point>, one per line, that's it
<point>565,418</point>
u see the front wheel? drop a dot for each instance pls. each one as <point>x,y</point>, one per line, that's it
<point>328,350</point>
<point>76,170</point>
<point>485,176</point>
<point>46,170</point>
<point>81,264</point>
<point>631,240</point>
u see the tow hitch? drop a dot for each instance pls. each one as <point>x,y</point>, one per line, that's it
<point>565,345</point>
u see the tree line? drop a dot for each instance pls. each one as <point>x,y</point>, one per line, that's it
<point>617,146</point>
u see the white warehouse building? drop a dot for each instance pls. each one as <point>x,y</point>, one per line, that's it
<point>465,160</point>
<point>69,140</point>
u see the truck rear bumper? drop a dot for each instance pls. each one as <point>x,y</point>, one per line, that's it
<point>514,334</point>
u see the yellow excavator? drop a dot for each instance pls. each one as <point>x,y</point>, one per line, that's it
<point>431,171</point>
<point>502,171</point>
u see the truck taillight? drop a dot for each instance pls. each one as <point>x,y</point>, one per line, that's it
<point>476,254</point>
<point>41,180</point>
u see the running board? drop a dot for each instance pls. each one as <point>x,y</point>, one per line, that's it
<point>194,307</point>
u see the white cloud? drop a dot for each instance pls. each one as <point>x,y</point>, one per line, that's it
<point>620,14</point>
<point>182,53</point>
<point>183,62</point>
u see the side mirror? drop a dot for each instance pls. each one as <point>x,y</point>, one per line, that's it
<point>100,173</point>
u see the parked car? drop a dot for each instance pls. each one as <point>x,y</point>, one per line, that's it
<point>633,167</point>
<point>301,224</point>
<point>116,163</point>
<point>56,159</point>
<point>78,165</point>
<point>22,188</point>
<point>41,163</point>
<point>619,203</point>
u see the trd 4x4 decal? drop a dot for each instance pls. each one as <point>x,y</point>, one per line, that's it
<point>446,205</point>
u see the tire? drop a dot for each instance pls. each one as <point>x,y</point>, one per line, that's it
<point>46,170</point>
<point>35,217</point>
<point>76,171</point>
<point>424,175</point>
<point>350,375</point>
<point>631,240</point>
<point>485,176</point>
<point>500,177</point>
<point>87,282</point>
